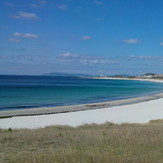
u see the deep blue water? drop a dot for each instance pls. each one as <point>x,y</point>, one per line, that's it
<point>20,92</point>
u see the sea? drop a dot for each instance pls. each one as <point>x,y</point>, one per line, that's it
<point>25,92</point>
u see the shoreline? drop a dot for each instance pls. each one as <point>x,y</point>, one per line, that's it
<point>76,108</point>
<point>82,107</point>
<point>132,113</point>
<point>125,78</point>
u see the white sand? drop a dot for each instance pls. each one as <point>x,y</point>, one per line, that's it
<point>134,113</point>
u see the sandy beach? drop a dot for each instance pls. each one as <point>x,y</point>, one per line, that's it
<point>132,113</point>
<point>140,79</point>
<point>135,110</point>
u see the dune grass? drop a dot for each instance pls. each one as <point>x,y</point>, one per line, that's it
<point>110,143</point>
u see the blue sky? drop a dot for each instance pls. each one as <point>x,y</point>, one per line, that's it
<point>81,36</point>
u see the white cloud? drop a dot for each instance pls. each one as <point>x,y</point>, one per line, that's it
<point>103,61</point>
<point>131,41</point>
<point>99,61</point>
<point>25,35</point>
<point>43,2</point>
<point>69,55</point>
<point>10,4</point>
<point>40,3</point>
<point>84,59</point>
<point>34,5</point>
<point>24,15</point>
<point>99,19</point>
<point>28,35</point>
<point>13,40</point>
<point>142,57</point>
<point>62,7</point>
<point>86,38</point>
<point>161,44</point>
<point>98,2</point>
<point>17,34</point>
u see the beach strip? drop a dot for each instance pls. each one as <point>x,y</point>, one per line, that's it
<point>132,113</point>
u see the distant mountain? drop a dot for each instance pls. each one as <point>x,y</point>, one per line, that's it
<point>64,74</point>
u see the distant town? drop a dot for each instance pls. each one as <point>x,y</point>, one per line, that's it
<point>144,76</point>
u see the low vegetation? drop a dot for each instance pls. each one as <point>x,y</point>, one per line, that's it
<point>110,143</point>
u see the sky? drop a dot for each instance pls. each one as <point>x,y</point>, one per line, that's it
<point>98,37</point>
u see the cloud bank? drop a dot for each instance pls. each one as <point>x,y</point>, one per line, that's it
<point>24,15</point>
<point>84,59</point>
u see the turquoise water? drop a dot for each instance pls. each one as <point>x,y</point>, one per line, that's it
<point>23,92</point>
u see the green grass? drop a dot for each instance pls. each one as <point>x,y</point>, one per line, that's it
<point>110,143</point>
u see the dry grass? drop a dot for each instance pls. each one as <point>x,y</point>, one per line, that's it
<point>110,143</point>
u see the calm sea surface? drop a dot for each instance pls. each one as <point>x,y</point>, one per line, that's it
<point>23,92</point>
